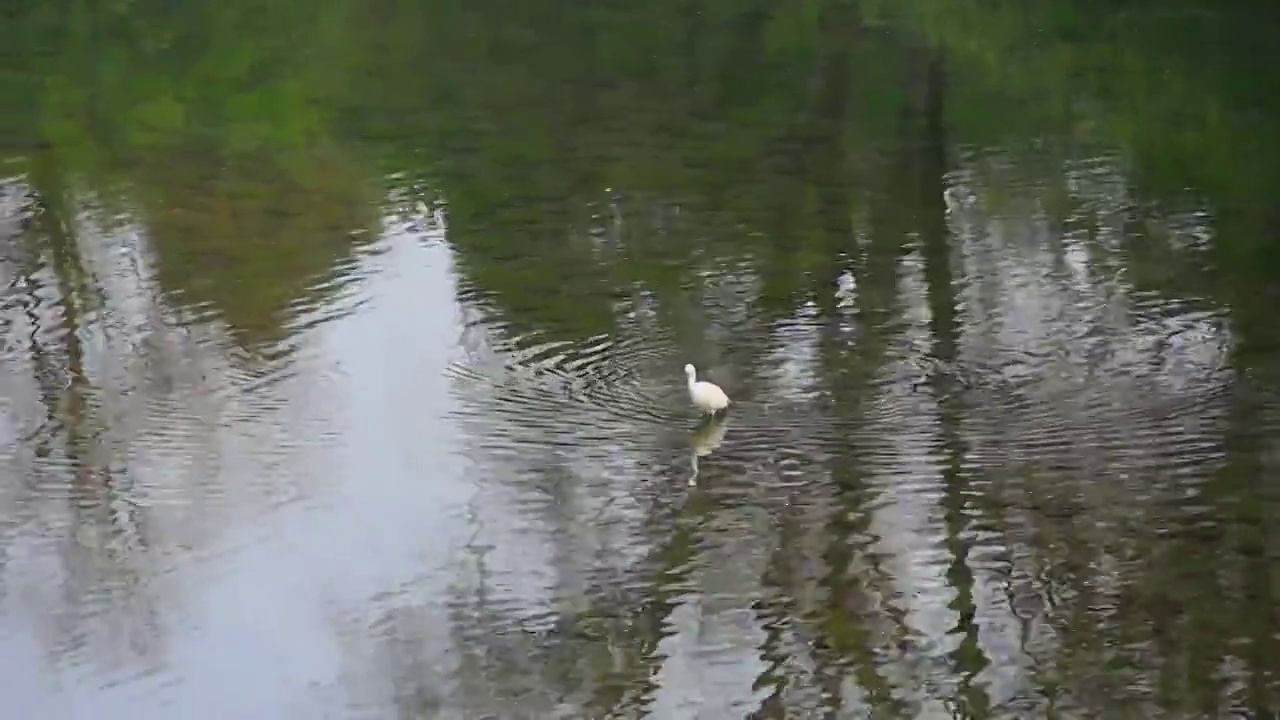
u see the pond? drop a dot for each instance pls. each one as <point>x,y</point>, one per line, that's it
<point>343,355</point>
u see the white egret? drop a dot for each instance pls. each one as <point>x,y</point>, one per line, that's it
<point>707,397</point>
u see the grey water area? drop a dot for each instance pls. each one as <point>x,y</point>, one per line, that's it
<point>342,361</point>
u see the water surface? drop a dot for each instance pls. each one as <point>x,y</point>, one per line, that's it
<point>343,362</point>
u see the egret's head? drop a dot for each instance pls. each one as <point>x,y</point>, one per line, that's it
<point>688,370</point>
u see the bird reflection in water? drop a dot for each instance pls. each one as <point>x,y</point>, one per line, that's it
<point>705,438</point>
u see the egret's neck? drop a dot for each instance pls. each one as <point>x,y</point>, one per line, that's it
<point>692,379</point>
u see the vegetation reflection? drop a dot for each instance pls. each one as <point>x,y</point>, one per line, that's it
<point>881,174</point>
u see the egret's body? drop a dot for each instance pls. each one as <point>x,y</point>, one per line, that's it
<point>707,397</point>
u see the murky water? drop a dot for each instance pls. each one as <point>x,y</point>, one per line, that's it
<point>352,386</point>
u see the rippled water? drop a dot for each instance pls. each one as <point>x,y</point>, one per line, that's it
<point>289,432</point>
<point>447,514</point>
